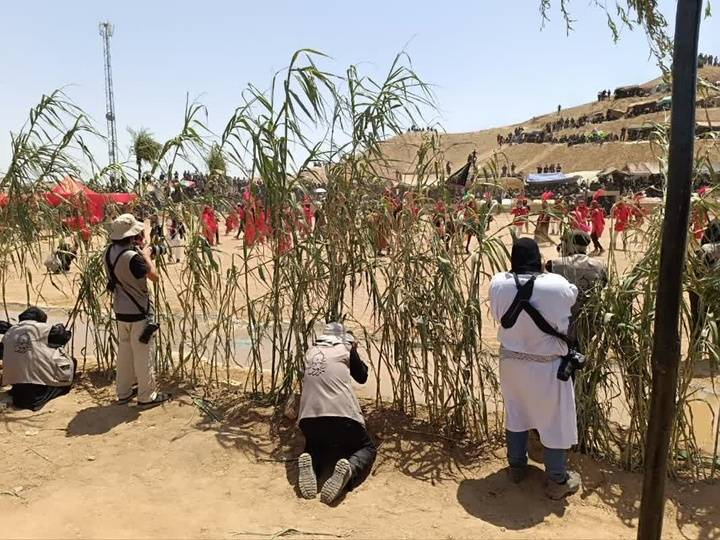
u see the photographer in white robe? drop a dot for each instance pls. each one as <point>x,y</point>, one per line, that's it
<point>534,396</point>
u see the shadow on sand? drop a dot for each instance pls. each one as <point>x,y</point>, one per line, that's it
<point>496,500</point>
<point>100,419</point>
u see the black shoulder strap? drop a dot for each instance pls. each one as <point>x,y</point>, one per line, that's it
<point>522,302</point>
<point>116,282</point>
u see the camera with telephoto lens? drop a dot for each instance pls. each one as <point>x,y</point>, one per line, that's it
<point>569,364</point>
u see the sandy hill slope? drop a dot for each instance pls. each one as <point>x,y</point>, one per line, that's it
<point>402,150</point>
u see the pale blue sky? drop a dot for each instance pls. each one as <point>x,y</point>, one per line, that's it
<point>489,61</point>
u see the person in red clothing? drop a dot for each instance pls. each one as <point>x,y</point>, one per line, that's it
<point>211,230</point>
<point>621,213</point>
<point>579,217</point>
<point>308,214</point>
<point>542,225</point>
<point>597,217</point>
<point>232,221</point>
<point>520,213</point>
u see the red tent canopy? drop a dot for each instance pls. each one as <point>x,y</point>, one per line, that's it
<point>71,191</point>
<point>120,198</point>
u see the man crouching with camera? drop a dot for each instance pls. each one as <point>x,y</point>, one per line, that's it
<point>537,363</point>
<point>129,265</point>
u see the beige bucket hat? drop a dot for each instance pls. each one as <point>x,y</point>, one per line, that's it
<point>125,226</point>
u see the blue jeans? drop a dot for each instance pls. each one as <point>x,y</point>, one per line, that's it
<point>554,458</point>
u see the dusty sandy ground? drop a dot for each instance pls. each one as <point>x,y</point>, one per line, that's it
<point>87,468</point>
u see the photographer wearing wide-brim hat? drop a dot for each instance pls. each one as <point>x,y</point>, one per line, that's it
<point>129,265</point>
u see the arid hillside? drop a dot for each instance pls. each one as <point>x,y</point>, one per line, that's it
<point>402,150</point>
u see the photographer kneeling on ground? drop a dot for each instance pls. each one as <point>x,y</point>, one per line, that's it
<point>129,265</point>
<point>330,417</point>
<point>536,365</point>
<point>34,362</point>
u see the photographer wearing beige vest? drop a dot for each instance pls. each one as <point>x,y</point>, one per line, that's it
<point>34,362</point>
<point>129,265</point>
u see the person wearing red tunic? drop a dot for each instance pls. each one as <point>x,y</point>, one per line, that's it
<point>308,214</point>
<point>520,212</point>
<point>262,223</point>
<point>597,217</point>
<point>231,221</point>
<point>240,211</point>
<point>579,218</point>
<point>621,213</point>
<point>210,226</point>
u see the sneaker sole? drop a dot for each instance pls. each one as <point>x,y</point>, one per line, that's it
<point>307,483</point>
<point>337,482</point>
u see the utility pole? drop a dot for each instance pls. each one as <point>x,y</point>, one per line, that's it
<point>666,338</point>
<point>106,31</point>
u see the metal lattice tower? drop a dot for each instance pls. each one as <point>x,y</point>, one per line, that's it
<point>106,31</point>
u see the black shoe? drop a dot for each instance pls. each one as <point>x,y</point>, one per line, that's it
<point>125,400</point>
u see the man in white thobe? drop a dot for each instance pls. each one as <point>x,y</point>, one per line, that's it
<point>529,359</point>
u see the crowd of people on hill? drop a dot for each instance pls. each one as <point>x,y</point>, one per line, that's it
<point>604,95</point>
<point>596,136</point>
<point>708,60</point>
<point>416,129</point>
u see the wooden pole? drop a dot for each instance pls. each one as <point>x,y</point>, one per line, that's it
<point>666,339</point>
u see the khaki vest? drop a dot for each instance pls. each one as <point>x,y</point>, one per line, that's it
<point>580,270</point>
<point>28,359</point>
<point>138,288</point>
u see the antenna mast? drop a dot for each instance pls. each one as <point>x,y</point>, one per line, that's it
<point>106,31</point>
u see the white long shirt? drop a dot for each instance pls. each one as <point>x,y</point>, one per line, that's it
<point>553,296</point>
<point>533,395</point>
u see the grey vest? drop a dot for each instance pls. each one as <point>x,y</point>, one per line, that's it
<point>128,284</point>
<point>28,359</point>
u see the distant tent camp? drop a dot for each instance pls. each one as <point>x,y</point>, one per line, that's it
<point>644,107</point>
<point>534,136</point>
<point>551,178</point>
<point>614,114</point>
<point>643,169</point>
<point>630,91</point>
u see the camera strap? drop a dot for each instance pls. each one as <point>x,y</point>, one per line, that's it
<point>117,283</point>
<point>521,303</point>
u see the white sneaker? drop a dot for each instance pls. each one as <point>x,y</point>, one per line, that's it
<point>307,483</point>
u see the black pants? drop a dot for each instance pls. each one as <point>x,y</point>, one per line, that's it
<point>596,241</point>
<point>331,438</point>
<point>36,396</point>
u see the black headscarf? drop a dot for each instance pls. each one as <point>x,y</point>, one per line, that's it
<point>33,314</point>
<point>525,257</point>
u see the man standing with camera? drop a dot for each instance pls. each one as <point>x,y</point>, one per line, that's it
<point>536,365</point>
<point>129,265</point>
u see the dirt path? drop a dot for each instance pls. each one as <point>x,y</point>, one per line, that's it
<point>86,468</point>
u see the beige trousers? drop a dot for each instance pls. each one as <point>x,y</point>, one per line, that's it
<point>134,362</point>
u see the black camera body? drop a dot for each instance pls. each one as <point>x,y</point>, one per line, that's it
<point>569,364</point>
<point>148,332</point>
<point>158,250</point>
